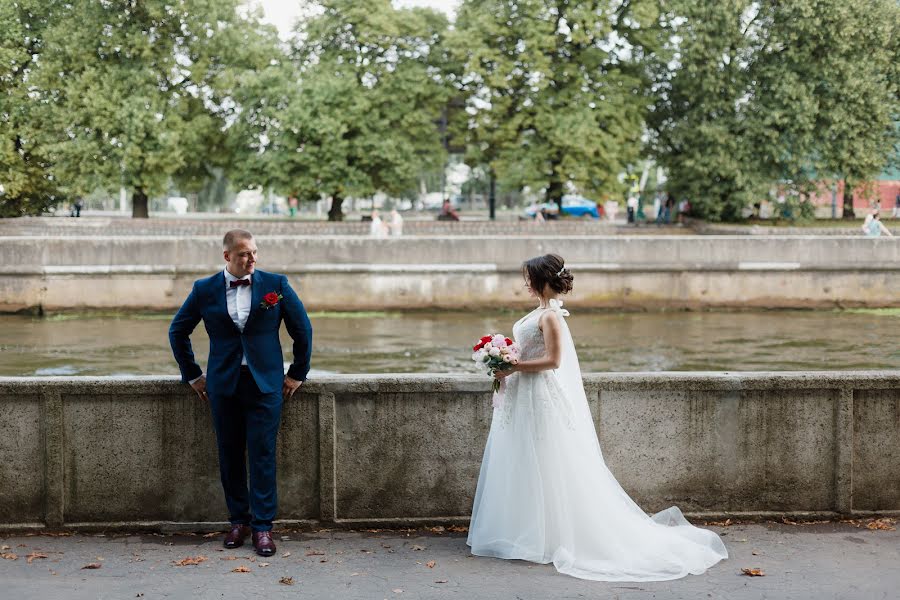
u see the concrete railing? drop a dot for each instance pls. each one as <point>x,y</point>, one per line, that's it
<point>383,450</point>
<point>354,273</point>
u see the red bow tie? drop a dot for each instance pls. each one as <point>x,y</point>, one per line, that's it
<point>240,282</point>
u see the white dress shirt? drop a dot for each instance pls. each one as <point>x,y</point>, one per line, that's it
<point>237,299</point>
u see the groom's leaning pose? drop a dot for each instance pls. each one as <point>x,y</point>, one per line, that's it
<point>242,309</point>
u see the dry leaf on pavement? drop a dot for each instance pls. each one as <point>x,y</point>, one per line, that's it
<point>458,529</point>
<point>440,581</point>
<point>886,524</point>
<point>286,581</point>
<point>416,547</point>
<point>241,569</point>
<point>753,572</point>
<point>315,553</point>
<point>430,564</point>
<point>9,556</point>
<point>285,555</point>
<point>190,560</point>
<point>35,555</point>
<point>92,566</point>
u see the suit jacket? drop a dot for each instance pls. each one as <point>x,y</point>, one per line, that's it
<point>258,342</point>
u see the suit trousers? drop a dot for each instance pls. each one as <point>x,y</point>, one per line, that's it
<point>246,425</point>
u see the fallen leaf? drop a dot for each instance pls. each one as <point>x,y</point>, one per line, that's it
<point>286,581</point>
<point>315,553</point>
<point>753,572</point>
<point>430,564</point>
<point>383,545</point>
<point>725,523</point>
<point>9,556</point>
<point>285,555</point>
<point>787,521</point>
<point>4,548</point>
<point>364,551</point>
<point>34,555</point>
<point>212,535</point>
<point>241,569</point>
<point>440,581</point>
<point>416,547</point>
<point>190,560</point>
<point>92,566</point>
<point>755,553</point>
<point>458,529</point>
<point>886,524</point>
<point>228,558</point>
<point>437,529</point>
<point>324,560</point>
<point>264,564</point>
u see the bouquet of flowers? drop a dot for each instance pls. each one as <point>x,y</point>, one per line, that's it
<point>495,353</point>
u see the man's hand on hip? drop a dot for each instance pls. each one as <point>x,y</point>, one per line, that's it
<point>200,387</point>
<point>290,386</point>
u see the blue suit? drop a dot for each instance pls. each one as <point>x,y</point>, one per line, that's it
<point>245,403</point>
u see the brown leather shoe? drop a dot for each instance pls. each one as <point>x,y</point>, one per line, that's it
<point>235,538</point>
<point>262,541</point>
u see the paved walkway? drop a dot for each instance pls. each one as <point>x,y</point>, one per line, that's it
<point>821,561</point>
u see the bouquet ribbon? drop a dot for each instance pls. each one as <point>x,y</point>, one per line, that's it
<point>499,388</point>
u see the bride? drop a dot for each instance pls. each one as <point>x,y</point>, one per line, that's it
<point>545,493</point>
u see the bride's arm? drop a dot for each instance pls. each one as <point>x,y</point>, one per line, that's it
<point>549,324</point>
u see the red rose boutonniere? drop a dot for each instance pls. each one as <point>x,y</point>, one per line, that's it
<point>270,300</point>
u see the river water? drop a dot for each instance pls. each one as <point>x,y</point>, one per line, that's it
<point>440,342</point>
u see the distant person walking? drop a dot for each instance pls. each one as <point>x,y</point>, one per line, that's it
<point>396,223</point>
<point>896,210</point>
<point>873,227</point>
<point>631,207</point>
<point>76,208</point>
<point>377,228</point>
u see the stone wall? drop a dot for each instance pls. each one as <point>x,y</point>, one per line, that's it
<point>390,450</point>
<point>359,273</point>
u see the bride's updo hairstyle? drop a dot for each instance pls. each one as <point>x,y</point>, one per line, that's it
<point>549,270</point>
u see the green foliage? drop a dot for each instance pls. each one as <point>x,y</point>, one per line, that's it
<point>28,183</point>
<point>354,109</point>
<point>773,93</point>
<point>557,89</point>
<point>128,92</point>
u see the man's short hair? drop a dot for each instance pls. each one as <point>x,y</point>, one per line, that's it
<point>232,237</point>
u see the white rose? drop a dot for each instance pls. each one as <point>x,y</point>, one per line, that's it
<point>494,351</point>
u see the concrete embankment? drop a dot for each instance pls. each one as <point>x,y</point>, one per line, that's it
<point>390,450</point>
<point>359,273</point>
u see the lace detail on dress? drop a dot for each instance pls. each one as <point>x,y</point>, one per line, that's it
<point>537,393</point>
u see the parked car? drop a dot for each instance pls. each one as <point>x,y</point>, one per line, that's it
<point>572,206</point>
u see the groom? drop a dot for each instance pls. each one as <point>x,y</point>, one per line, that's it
<point>242,309</point>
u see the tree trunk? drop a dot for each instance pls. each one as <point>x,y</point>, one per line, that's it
<point>492,195</point>
<point>335,213</point>
<point>555,187</point>
<point>848,201</point>
<point>140,205</point>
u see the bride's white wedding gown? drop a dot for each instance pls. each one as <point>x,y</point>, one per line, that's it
<point>546,495</point>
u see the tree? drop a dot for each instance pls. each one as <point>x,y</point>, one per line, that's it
<point>129,92</point>
<point>27,182</point>
<point>557,88</point>
<point>355,109</point>
<point>769,93</point>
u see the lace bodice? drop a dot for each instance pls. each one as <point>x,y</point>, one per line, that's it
<point>528,334</point>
